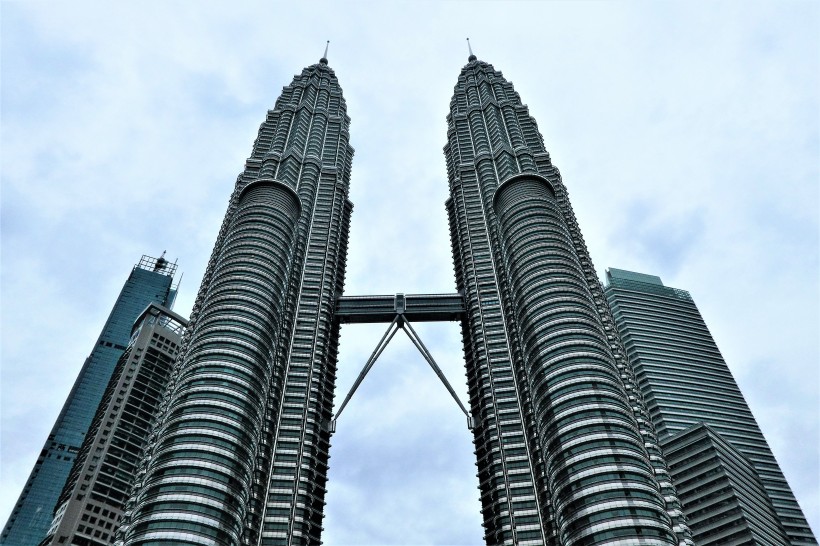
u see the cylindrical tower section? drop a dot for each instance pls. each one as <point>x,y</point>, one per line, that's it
<point>600,481</point>
<point>199,479</point>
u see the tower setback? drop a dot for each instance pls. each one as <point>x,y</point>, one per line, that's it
<point>567,451</point>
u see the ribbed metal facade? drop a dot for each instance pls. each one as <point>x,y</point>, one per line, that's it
<point>685,380</point>
<point>149,282</point>
<point>566,454</point>
<point>240,453</point>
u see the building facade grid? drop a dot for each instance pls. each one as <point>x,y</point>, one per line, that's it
<point>91,504</point>
<point>538,329</point>
<point>262,329</point>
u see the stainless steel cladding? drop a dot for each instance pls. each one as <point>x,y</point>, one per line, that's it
<point>198,483</point>
<point>240,453</point>
<point>585,426</point>
<point>565,453</point>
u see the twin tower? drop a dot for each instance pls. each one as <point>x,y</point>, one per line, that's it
<point>566,452</point>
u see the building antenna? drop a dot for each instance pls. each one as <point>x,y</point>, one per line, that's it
<point>323,60</point>
<point>470,48</point>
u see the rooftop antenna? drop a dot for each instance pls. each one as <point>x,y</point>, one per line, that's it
<point>472,57</point>
<point>161,261</point>
<point>323,60</point>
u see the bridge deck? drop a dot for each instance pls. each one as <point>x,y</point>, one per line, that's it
<point>417,308</point>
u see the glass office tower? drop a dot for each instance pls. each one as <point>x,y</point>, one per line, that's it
<point>150,281</point>
<point>565,451</point>
<point>685,381</point>
<point>93,500</point>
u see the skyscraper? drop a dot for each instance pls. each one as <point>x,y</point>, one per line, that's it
<point>149,282</point>
<point>566,453</point>
<point>92,502</point>
<point>240,453</point>
<point>685,381</point>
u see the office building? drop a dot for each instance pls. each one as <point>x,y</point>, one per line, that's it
<point>93,500</point>
<point>685,382</point>
<point>150,281</point>
<point>565,455</point>
<point>241,450</point>
<point>724,500</point>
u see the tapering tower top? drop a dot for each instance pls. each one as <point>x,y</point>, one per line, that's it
<point>472,57</point>
<point>323,60</point>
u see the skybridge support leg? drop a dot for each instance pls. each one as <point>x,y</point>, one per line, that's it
<point>414,337</point>
<point>388,335</point>
<point>399,322</point>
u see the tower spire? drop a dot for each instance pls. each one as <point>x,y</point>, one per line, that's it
<point>472,57</point>
<point>323,60</point>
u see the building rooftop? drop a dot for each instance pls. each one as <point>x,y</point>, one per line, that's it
<point>613,273</point>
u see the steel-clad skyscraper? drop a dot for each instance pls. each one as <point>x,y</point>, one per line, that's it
<point>240,453</point>
<point>566,453</point>
<point>686,382</point>
<point>149,282</point>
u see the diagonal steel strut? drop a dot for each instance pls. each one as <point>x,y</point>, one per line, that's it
<point>388,335</point>
<point>414,337</point>
<point>399,322</point>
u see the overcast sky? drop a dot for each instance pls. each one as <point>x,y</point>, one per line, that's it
<point>687,135</point>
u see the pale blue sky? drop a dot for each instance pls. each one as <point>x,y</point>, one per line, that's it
<point>687,135</point>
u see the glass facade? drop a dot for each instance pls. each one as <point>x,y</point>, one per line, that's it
<point>566,440</point>
<point>685,381</point>
<point>149,282</point>
<point>565,451</point>
<point>93,500</point>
